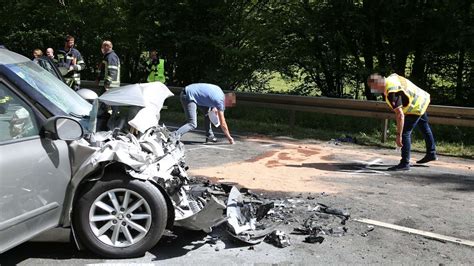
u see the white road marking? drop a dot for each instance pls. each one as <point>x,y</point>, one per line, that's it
<point>418,232</point>
<point>364,170</point>
<point>271,145</point>
<point>209,147</point>
<point>375,161</point>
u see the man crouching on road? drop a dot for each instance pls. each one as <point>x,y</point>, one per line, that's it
<point>409,104</point>
<point>209,98</point>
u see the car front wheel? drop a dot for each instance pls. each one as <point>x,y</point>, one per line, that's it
<point>120,218</point>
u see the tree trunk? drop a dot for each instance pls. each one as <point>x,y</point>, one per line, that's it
<point>459,75</point>
<point>368,47</point>
<point>418,75</point>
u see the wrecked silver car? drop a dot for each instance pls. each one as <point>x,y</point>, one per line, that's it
<point>116,191</point>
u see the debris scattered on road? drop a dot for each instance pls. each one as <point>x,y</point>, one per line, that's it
<point>369,229</point>
<point>314,239</point>
<point>278,239</point>
<point>242,219</point>
<point>252,218</point>
<point>324,221</point>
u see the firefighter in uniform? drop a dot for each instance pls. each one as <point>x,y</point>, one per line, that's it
<point>109,77</point>
<point>71,59</point>
<point>409,103</point>
<point>109,70</point>
<point>155,66</point>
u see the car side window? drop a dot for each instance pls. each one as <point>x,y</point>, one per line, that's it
<point>16,117</point>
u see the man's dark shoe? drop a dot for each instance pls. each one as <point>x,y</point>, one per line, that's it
<point>211,139</point>
<point>399,167</point>
<point>427,158</point>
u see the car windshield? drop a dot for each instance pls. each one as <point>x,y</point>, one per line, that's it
<point>52,88</point>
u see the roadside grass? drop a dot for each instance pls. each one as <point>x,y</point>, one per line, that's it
<point>453,141</point>
<point>279,85</point>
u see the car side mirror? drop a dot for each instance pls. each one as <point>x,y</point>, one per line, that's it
<point>64,128</point>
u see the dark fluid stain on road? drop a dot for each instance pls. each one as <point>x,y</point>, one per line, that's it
<point>273,163</point>
<point>308,152</point>
<point>284,156</point>
<point>330,157</point>
<point>261,157</point>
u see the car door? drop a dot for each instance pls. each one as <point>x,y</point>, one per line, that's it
<point>34,171</point>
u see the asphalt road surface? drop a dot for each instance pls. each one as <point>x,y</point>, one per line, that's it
<point>436,198</point>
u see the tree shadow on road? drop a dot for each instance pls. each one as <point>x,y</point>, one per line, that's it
<point>421,174</point>
<point>45,250</point>
<point>181,241</point>
<point>340,167</point>
<point>192,142</point>
<point>463,183</point>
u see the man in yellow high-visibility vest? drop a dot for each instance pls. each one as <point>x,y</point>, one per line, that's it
<point>155,67</point>
<point>409,103</point>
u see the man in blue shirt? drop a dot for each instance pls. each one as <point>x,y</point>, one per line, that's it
<point>209,98</point>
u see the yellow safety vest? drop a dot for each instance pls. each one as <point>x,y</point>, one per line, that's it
<point>157,72</point>
<point>418,99</point>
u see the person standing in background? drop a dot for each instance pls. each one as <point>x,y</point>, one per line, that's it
<point>155,66</point>
<point>109,68</point>
<point>50,55</point>
<point>71,59</point>
<point>109,77</point>
<point>37,53</point>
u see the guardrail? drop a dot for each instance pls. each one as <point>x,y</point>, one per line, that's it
<point>438,114</point>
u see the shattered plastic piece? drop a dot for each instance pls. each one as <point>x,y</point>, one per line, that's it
<point>338,231</point>
<point>279,239</point>
<point>344,215</point>
<point>206,218</point>
<point>369,229</point>
<point>314,239</point>
<point>227,187</point>
<point>264,209</point>
<point>234,213</point>
<point>322,222</point>
<point>241,221</point>
<point>337,212</point>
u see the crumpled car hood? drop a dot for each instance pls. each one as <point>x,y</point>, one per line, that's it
<point>156,156</point>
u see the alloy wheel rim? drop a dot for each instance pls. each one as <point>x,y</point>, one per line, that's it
<point>120,217</point>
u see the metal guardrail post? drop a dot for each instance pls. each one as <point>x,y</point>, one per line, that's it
<point>384,130</point>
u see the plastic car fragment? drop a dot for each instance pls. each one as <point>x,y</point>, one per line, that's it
<point>242,225</point>
<point>209,216</point>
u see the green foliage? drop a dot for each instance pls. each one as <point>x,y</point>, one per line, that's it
<point>325,47</point>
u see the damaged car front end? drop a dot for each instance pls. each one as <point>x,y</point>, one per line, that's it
<point>117,191</point>
<point>156,157</point>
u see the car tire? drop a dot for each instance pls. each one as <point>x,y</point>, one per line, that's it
<point>120,217</point>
